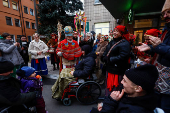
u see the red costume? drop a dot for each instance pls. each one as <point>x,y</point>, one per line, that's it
<point>69,50</point>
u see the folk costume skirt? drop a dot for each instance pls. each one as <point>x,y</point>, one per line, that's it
<point>113,83</point>
<point>40,66</point>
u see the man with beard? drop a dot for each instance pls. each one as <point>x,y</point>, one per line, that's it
<point>161,46</point>
<point>24,49</point>
<point>68,49</point>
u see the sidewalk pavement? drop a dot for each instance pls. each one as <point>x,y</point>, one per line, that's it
<point>51,74</point>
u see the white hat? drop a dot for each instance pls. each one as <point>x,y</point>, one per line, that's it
<point>166,5</point>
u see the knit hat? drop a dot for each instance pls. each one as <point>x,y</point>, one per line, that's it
<point>68,31</point>
<point>53,34</point>
<point>144,76</point>
<point>75,32</point>
<point>123,31</point>
<point>166,5</point>
<point>93,32</point>
<point>5,66</point>
<point>153,32</point>
<point>28,70</point>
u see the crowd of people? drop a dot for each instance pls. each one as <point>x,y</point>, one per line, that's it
<point>131,90</point>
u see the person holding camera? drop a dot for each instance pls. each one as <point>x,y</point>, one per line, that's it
<point>24,49</point>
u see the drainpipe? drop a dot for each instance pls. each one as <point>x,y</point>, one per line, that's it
<point>36,19</point>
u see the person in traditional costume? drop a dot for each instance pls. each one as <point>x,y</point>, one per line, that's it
<point>68,49</point>
<point>161,46</point>
<point>144,57</point>
<point>53,44</point>
<point>37,49</point>
<point>116,58</point>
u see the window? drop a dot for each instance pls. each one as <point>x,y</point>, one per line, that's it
<point>8,20</point>
<point>97,2</point>
<point>17,22</point>
<point>6,3</point>
<point>31,12</point>
<point>33,25</point>
<point>25,9</point>
<point>29,38</point>
<point>14,5</point>
<point>102,28</point>
<point>27,24</point>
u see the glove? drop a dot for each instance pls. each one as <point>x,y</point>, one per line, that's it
<point>59,54</point>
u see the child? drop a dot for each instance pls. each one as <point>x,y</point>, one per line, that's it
<point>139,97</point>
<point>30,83</point>
<point>144,58</point>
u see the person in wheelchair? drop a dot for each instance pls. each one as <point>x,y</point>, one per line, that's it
<point>137,96</point>
<point>10,94</point>
<point>82,70</point>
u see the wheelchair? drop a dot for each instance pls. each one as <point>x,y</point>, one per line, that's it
<point>86,91</point>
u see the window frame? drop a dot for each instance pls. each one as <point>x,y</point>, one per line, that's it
<point>97,3</point>
<point>18,22</point>
<point>8,3</point>
<point>11,20</point>
<point>27,10</point>
<point>16,5</point>
<point>29,38</point>
<point>32,25</point>
<point>26,24</point>
<point>32,12</point>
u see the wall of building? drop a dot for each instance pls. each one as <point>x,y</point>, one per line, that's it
<point>97,13</point>
<point>17,14</point>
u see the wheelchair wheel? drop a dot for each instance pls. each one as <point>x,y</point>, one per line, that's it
<point>88,92</point>
<point>67,101</point>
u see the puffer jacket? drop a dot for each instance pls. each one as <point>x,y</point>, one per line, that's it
<point>10,52</point>
<point>35,47</point>
<point>117,61</point>
<point>86,65</point>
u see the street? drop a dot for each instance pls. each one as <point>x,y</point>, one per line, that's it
<point>54,106</point>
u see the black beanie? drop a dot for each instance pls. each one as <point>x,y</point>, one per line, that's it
<point>144,76</point>
<point>5,66</point>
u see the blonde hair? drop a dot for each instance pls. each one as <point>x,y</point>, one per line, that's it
<point>35,34</point>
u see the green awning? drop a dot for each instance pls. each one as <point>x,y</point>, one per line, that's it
<point>118,7</point>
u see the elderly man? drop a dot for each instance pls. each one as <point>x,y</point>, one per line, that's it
<point>161,47</point>
<point>68,49</point>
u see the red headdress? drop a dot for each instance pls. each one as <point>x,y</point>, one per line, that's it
<point>153,32</point>
<point>123,31</point>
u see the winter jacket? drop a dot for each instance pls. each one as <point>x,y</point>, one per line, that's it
<point>24,52</point>
<point>163,49</point>
<point>35,47</point>
<point>117,61</point>
<point>142,104</point>
<point>10,93</point>
<point>10,52</point>
<point>30,84</point>
<point>86,65</point>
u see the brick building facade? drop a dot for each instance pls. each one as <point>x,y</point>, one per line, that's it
<point>98,17</point>
<point>17,17</point>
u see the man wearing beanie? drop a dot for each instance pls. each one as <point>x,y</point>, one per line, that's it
<point>138,93</point>
<point>161,47</point>
<point>10,94</point>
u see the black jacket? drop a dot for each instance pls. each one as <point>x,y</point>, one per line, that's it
<point>10,93</point>
<point>143,104</point>
<point>24,52</point>
<point>85,66</point>
<point>117,61</point>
